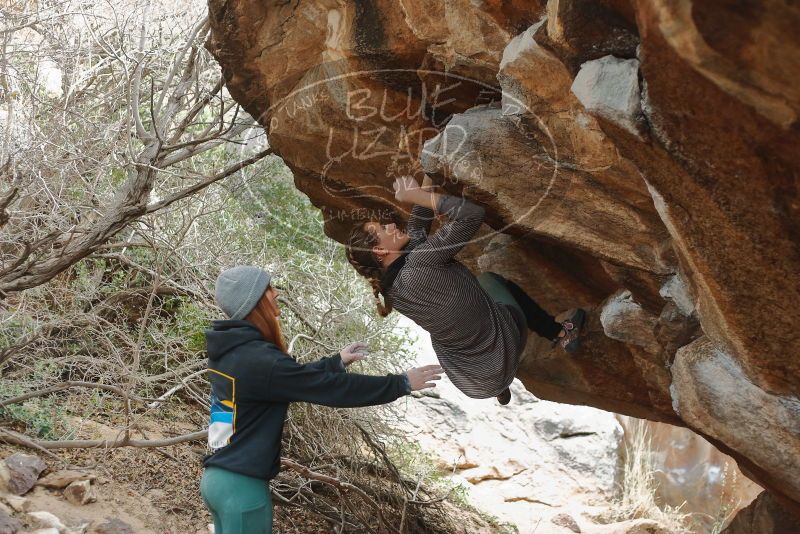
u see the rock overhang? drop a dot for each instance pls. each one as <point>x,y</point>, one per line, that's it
<point>670,129</point>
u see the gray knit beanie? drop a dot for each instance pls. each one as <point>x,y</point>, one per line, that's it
<point>239,289</point>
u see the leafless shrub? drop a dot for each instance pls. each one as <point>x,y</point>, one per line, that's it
<point>134,125</point>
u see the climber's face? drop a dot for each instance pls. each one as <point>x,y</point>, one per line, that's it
<point>390,238</point>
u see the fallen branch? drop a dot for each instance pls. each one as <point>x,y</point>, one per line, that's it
<point>18,439</point>
<point>381,451</point>
<point>103,443</point>
<point>283,500</point>
<point>70,384</point>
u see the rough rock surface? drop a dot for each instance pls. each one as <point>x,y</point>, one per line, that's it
<point>111,525</point>
<point>532,461</point>
<point>24,470</point>
<point>688,199</point>
<point>47,520</point>
<point>8,524</point>
<point>711,391</point>
<point>62,479</point>
<point>566,521</point>
<point>79,492</point>
<point>764,516</point>
<point>609,87</point>
<point>17,503</point>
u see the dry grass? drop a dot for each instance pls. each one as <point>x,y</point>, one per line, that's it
<point>639,485</point>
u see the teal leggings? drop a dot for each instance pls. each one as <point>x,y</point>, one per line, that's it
<point>528,312</point>
<point>238,503</point>
<point>497,288</point>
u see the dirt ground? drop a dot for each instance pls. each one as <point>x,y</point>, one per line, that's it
<point>152,490</point>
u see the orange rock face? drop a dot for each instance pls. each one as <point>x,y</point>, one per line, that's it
<point>637,158</point>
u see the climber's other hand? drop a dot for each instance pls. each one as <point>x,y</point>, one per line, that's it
<point>405,188</point>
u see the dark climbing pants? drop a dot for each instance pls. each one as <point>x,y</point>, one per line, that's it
<point>239,504</point>
<point>504,291</point>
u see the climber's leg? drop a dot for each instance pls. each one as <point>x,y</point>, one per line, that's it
<point>537,318</point>
<point>496,288</point>
<point>505,397</point>
<point>239,504</point>
<point>567,333</point>
<point>570,339</point>
<point>495,285</point>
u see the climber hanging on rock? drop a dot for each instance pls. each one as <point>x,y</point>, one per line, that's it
<point>478,325</point>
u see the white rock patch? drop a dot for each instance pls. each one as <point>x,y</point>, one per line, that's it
<point>609,87</point>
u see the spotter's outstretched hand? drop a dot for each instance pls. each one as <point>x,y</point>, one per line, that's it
<point>424,377</point>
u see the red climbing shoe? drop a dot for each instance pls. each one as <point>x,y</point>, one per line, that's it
<point>571,340</point>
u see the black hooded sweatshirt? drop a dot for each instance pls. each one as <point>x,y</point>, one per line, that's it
<point>252,384</point>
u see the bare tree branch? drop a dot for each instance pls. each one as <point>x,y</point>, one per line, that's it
<point>163,398</point>
<point>4,202</point>
<point>199,186</point>
<point>179,90</point>
<point>16,438</point>
<point>335,482</point>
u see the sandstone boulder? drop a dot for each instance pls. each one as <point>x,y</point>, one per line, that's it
<point>713,394</point>
<point>643,146</point>
<point>765,516</point>
<point>624,319</point>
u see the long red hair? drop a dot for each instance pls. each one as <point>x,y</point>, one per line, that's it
<point>265,318</point>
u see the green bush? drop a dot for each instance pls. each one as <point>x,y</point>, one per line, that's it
<point>42,417</point>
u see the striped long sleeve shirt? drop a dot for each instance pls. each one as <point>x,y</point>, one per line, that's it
<point>477,341</point>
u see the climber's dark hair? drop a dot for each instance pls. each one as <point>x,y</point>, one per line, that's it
<point>359,254</point>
